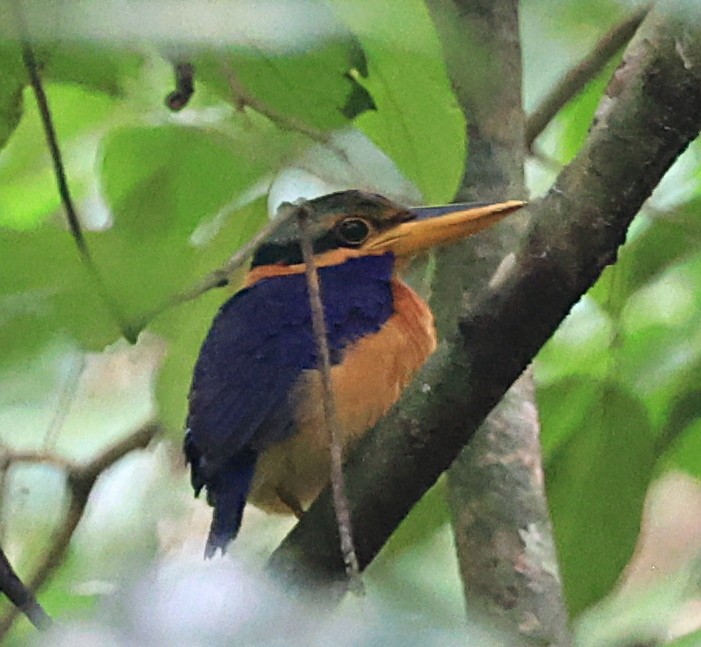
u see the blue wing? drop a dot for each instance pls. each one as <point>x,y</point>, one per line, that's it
<point>259,343</point>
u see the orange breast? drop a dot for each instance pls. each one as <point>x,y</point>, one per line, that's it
<point>366,384</point>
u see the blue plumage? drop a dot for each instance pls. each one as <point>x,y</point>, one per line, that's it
<point>258,344</point>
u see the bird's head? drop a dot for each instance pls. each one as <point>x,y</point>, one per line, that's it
<point>350,224</point>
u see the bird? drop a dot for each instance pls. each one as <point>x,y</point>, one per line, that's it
<point>255,429</point>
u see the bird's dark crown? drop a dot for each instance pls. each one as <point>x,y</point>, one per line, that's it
<point>342,219</point>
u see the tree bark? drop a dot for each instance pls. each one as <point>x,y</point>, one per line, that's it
<point>495,486</point>
<point>653,113</point>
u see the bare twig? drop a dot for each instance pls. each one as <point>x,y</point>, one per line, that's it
<point>575,80</point>
<point>20,595</point>
<point>81,480</point>
<point>338,488</point>
<point>4,471</point>
<point>138,439</point>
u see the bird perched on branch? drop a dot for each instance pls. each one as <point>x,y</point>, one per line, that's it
<point>255,429</point>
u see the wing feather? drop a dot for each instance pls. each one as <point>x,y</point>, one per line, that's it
<point>241,398</point>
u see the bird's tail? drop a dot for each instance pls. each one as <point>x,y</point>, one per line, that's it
<point>227,491</point>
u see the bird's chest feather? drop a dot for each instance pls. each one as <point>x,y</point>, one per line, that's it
<point>367,378</point>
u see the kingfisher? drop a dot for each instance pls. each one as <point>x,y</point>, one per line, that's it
<point>255,429</point>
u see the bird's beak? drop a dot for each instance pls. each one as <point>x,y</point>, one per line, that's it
<point>437,225</point>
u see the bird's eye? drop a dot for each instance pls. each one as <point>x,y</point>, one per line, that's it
<point>353,231</point>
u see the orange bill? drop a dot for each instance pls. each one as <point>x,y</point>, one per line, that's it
<point>438,225</point>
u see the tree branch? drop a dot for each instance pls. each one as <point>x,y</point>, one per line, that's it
<point>81,480</point>
<point>577,78</point>
<point>575,232</point>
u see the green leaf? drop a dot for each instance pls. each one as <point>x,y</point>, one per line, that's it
<point>596,483</point>
<point>46,292</point>
<point>97,67</point>
<point>658,362</point>
<point>658,244</point>
<point>28,194</point>
<point>184,176</point>
<point>185,328</point>
<point>581,346</point>
<point>560,423</point>
<point>685,453</point>
<point>418,121</point>
<point>692,639</point>
<point>309,87</point>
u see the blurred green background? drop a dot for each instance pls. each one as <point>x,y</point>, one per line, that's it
<point>302,98</point>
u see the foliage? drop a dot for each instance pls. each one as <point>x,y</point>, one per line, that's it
<point>166,198</point>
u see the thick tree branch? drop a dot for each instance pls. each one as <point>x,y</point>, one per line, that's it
<point>575,232</point>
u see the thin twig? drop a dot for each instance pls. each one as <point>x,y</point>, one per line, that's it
<point>340,500</point>
<point>20,595</point>
<point>64,192</point>
<point>4,471</point>
<point>578,77</point>
<point>137,439</point>
<point>81,480</point>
